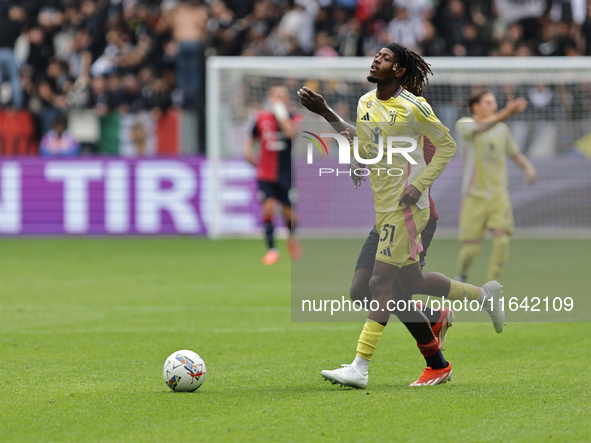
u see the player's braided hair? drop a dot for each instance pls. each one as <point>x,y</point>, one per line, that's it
<point>416,68</point>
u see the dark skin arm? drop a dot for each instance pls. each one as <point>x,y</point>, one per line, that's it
<point>410,196</point>
<point>315,103</point>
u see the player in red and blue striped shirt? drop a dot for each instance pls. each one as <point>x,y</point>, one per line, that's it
<point>274,171</point>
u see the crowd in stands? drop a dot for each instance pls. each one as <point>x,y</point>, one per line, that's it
<point>148,55</point>
<point>431,27</point>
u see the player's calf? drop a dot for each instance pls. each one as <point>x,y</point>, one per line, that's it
<point>360,285</point>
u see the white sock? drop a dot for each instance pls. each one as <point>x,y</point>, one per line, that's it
<point>360,364</point>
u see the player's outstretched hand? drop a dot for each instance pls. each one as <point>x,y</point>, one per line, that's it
<point>515,106</point>
<point>312,102</point>
<point>410,196</point>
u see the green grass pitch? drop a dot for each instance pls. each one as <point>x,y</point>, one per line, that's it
<point>86,324</point>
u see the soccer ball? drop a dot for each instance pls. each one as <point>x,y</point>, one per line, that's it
<point>184,371</point>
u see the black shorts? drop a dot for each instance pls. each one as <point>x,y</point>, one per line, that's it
<point>274,190</point>
<point>367,256</point>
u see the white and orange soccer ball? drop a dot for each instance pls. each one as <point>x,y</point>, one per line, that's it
<point>184,371</point>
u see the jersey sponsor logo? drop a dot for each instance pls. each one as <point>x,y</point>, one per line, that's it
<point>274,141</point>
<point>393,116</point>
<point>376,133</point>
<point>365,118</point>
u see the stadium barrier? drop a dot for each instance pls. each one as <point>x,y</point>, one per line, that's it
<point>132,134</point>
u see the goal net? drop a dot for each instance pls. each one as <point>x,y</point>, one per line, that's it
<point>554,133</point>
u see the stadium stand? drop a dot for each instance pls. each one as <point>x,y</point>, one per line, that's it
<point>130,73</point>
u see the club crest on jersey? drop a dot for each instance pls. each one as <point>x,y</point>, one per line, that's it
<point>375,135</point>
<point>393,115</point>
<point>369,104</point>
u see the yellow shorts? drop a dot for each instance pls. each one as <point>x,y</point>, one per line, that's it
<point>479,214</point>
<point>400,235</point>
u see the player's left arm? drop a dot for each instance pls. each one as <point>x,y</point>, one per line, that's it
<point>529,172</point>
<point>512,150</point>
<point>315,103</point>
<point>248,150</point>
<point>430,126</point>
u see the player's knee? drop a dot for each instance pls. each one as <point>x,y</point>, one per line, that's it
<point>503,239</point>
<point>378,287</point>
<point>267,208</point>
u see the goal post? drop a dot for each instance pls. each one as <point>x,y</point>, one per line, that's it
<point>552,132</point>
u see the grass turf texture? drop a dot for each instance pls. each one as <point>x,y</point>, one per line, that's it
<point>86,324</point>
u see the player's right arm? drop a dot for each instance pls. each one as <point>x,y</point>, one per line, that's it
<point>315,103</point>
<point>513,107</point>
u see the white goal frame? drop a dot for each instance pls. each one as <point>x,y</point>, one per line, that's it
<point>540,69</point>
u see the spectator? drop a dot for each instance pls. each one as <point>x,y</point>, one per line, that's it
<point>432,45</point>
<point>352,39</point>
<point>475,46</point>
<point>449,21</point>
<point>131,97</point>
<point>93,19</point>
<point>586,31</point>
<point>40,52</point>
<point>58,142</point>
<point>323,47</point>
<point>10,30</point>
<point>52,94</point>
<point>405,29</point>
<point>548,43</point>
<point>100,96</point>
<point>189,24</point>
<point>541,99</point>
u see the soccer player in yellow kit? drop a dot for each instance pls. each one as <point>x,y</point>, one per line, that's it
<point>402,208</point>
<point>485,143</point>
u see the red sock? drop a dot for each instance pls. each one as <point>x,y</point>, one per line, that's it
<point>430,348</point>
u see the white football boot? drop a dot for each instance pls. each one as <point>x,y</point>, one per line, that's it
<point>492,291</point>
<point>348,375</point>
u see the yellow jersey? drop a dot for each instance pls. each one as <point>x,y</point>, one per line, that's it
<point>484,158</point>
<point>403,115</point>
